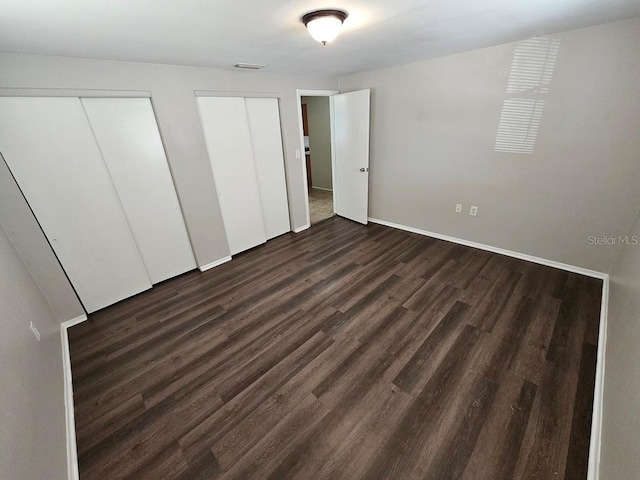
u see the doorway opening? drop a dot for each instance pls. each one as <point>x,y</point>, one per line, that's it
<point>316,129</point>
<point>348,147</point>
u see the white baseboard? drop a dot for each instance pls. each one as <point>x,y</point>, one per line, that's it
<point>596,421</point>
<point>209,266</point>
<point>322,188</point>
<point>301,229</point>
<point>73,321</point>
<point>501,251</point>
<point>72,451</point>
<point>595,443</point>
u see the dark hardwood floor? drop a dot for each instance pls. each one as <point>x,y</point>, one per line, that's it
<point>343,352</point>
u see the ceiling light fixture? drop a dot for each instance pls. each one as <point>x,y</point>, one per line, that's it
<point>324,25</point>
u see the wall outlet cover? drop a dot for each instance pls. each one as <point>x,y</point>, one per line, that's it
<point>473,211</point>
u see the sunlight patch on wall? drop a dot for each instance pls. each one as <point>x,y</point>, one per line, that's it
<point>533,64</point>
<point>519,123</point>
<point>532,68</point>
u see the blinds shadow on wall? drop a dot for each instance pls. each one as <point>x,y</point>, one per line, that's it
<point>532,68</point>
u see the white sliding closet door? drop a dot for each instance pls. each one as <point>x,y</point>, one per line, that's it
<point>266,140</point>
<point>226,132</point>
<point>50,149</point>
<point>128,137</point>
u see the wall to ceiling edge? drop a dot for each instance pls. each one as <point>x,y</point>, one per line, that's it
<point>172,89</point>
<point>434,126</point>
<point>33,287</point>
<point>433,129</point>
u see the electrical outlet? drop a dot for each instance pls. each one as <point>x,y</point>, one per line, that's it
<point>473,211</point>
<point>458,208</point>
<point>297,153</point>
<point>34,330</point>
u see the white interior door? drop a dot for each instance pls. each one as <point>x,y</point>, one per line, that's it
<point>266,139</point>
<point>226,132</point>
<point>51,151</point>
<point>128,137</point>
<point>350,116</point>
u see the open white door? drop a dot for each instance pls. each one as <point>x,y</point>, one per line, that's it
<point>351,154</point>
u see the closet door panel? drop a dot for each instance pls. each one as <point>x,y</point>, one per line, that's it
<point>50,149</point>
<point>128,137</point>
<point>266,140</point>
<point>226,131</point>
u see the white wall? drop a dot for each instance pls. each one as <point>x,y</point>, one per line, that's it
<point>620,457</point>
<point>434,124</point>
<point>31,244</point>
<point>172,90</point>
<point>32,418</point>
<point>319,121</point>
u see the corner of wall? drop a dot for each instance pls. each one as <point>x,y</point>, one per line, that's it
<point>72,451</point>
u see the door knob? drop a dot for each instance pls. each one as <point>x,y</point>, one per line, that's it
<point>364,169</point>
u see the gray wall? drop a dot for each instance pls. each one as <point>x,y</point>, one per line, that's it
<point>319,140</point>
<point>434,124</point>
<point>172,90</point>
<point>620,458</point>
<point>32,436</point>
<point>27,238</point>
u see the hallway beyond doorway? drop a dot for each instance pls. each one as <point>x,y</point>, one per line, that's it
<point>320,205</point>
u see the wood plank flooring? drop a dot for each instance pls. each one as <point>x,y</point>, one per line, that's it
<point>343,352</point>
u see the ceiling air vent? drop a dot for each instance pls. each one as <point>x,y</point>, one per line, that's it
<point>249,66</point>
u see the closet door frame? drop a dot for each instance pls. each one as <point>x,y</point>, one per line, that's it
<point>92,93</point>
<point>314,93</point>
<point>97,93</point>
<point>240,94</point>
<point>115,270</point>
<point>78,93</point>
<point>228,138</point>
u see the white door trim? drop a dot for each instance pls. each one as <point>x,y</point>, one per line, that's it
<point>236,93</point>
<point>299,95</point>
<point>73,92</point>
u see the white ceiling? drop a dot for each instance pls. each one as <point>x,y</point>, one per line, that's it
<point>220,33</point>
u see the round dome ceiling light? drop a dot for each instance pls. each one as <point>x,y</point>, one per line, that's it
<point>324,25</point>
